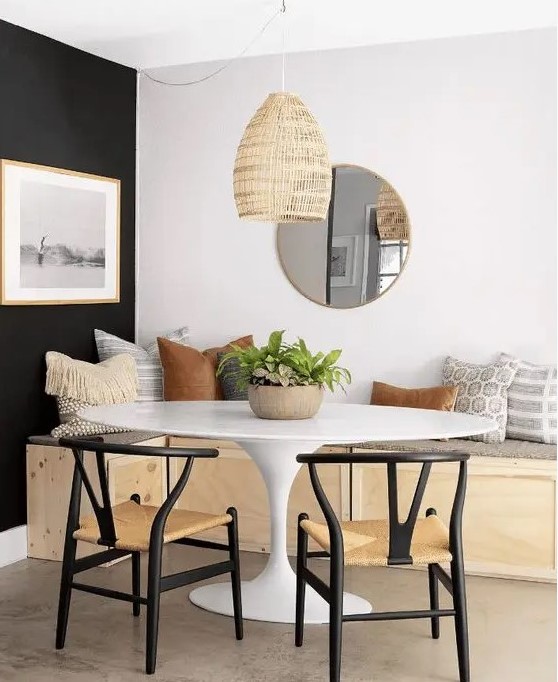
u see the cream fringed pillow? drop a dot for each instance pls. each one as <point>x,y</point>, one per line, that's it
<point>77,385</point>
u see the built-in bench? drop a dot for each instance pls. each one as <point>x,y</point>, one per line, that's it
<point>510,449</point>
<point>125,438</point>
<point>509,518</point>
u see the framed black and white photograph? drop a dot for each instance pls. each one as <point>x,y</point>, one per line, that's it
<point>343,261</point>
<point>60,236</point>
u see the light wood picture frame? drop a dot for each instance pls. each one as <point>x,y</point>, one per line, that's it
<point>60,236</point>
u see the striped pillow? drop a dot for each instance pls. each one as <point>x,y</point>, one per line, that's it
<point>148,363</point>
<point>532,403</point>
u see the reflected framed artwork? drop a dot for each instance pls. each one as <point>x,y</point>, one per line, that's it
<point>60,236</point>
<point>343,260</point>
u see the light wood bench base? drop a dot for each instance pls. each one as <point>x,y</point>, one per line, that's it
<point>509,518</point>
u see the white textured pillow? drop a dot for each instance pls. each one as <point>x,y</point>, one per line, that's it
<point>532,402</point>
<point>148,362</point>
<point>77,385</point>
<point>482,390</point>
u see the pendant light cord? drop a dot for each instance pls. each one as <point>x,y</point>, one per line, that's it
<point>224,66</point>
<point>283,11</point>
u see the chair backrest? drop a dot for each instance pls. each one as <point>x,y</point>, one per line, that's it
<point>102,507</point>
<point>400,533</point>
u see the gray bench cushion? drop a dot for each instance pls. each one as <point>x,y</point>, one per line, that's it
<point>126,438</point>
<point>513,449</point>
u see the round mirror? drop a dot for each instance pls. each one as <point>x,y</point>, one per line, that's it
<point>355,255</point>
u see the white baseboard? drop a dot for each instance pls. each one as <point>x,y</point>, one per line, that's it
<point>13,545</point>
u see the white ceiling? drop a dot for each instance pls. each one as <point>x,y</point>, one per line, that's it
<point>149,33</point>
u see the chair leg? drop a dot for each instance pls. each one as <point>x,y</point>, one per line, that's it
<point>69,559</point>
<point>335,618</point>
<point>301,562</point>
<point>136,581</point>
<point>460,606</point>
<point>234,553</point>
<point>136,570</point>
<point>65,591</point>
<point>433,590</point>
<point>434,601</point>
<point>153,601</point>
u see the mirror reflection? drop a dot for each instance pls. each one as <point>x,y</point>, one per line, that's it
<point>355,255</point>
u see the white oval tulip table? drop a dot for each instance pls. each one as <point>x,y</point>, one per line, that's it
<point>274,445</point>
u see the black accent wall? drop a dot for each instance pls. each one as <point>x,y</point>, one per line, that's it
<point>59,107</point>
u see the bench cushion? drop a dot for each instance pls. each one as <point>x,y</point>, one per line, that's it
<point>127,438</point>
<point>512,449</point>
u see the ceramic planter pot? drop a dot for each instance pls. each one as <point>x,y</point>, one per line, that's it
<point>290,402</point>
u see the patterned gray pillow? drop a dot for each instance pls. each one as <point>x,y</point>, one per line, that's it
<point>148,362</point>
<point>229,380</point>
<point>483,390</point>
<point>72,425</point>
<point>532,402</point>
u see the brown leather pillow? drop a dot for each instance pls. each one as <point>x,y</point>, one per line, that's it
<point>432,398</point>
<point>189,374</point>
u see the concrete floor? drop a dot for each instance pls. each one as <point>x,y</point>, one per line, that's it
<point>512,630</point>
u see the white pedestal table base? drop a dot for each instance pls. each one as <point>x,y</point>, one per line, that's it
<point>271,596</point>
<point>271,604</point>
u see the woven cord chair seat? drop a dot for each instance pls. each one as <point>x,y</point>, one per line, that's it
<point>366,543</point>
<point>133,525</point>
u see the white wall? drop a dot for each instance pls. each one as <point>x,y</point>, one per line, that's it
<point>465,131</point>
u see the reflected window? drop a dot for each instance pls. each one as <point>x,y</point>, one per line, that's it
<point>392,260</point>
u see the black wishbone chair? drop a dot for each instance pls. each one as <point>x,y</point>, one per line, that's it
<point>386,542</point>
<point>130,528</point>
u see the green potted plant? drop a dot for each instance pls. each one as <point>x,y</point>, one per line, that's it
<point>286,381</point>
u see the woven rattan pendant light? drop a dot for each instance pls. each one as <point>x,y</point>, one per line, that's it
<point>282,172</point>
<point>391,217</point>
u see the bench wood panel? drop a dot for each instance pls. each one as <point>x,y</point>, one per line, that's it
<point>509,516</point>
